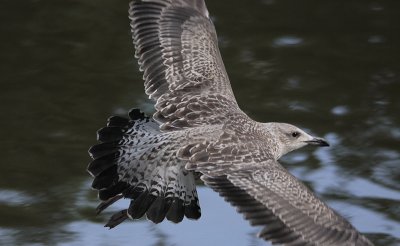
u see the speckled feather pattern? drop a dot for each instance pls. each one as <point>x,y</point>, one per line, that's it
<point>198,129</point>
<point>178,51</point>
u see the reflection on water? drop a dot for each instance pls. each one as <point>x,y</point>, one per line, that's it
<point>287,41</point>
<point>330,67</point>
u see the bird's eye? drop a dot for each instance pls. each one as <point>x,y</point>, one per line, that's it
<point>295,134</point>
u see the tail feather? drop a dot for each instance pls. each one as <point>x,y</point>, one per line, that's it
<point>158,210</point>
<point>117,121</point>
<point>117,219</point>
<point>104,149</point>
<point>136,161</point>
<point>107,203</point>
<point>106,179</point>
<point>101,164</point>
<point>133,192</point>
<point>139,206</point>
<point>113,191</point>
<point>176,210</point>
<point>110,134</point>
<point>192,211</point>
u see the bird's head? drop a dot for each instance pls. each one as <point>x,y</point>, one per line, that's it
<point>290,138</point>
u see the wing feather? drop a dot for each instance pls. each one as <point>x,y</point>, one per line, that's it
<point>177,50</point>
<point>291,214</point>
<point>253,210</point>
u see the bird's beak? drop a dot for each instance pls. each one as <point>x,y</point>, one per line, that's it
<point>318,142</point>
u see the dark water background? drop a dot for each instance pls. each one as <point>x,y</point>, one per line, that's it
<point>331,67</point>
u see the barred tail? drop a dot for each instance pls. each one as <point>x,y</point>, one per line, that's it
<point>135,160</point>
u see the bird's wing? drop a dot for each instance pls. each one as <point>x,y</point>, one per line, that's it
<point>177,48</point>
<point>289,212</point>
<point>240,167</point>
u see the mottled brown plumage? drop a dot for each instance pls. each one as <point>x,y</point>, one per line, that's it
<point>198,128</point>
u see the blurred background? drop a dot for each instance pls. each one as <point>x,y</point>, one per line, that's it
<point>331,67</point>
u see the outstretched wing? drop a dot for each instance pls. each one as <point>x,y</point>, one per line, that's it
<point>241,168</point>
<point>177,48</point>
<point>289,212</point>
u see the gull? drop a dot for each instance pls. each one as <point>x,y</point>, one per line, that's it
<point>199,131</point>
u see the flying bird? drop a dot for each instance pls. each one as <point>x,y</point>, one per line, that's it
<point>198,130</point>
